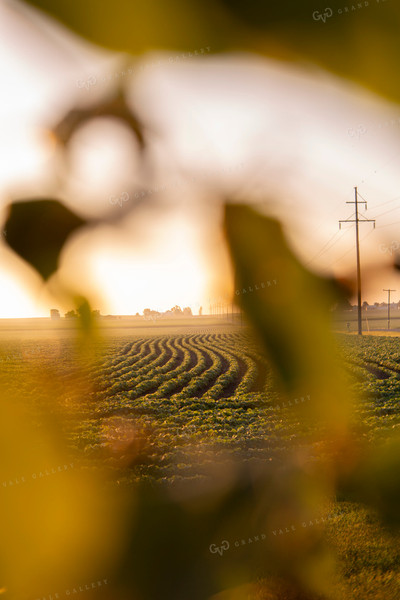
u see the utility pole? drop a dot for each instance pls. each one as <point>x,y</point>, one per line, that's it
<point>356,221</point>
<point>388,291</point>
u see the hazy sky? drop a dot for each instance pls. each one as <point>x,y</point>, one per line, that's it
<point>294,140</point>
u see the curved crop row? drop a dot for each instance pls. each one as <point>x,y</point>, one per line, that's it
<point>119,380</point>
<point>140,368</point>
<point>208,376</point>
<point>165,388</point>
<point>158,352</point>
<point>227,378</point>
<point>116,365</point>
<point>251,372</point>
<point>181,367</point>
<point>152,376</point>
<point>185,373</point>
<point>179,380</point>
<point>196,383</point>
<point>250,357</point>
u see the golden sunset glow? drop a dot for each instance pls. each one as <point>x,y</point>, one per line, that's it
<point>204,148</point>
<point>158,272</point>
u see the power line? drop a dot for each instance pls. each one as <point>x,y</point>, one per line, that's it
<point>326,214</point>
<point>388,291</point>
<point>357,221</point>
<point>330,239</point>
<point>328,245</point>
<point>349,250</point>
<point>388,201</point>
<point>335,242</point>
<point>388,211</point>
<point>324,247</point>
<point>388,225</point>
<point>364,200</point>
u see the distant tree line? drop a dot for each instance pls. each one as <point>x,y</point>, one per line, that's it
<point>175,311</point>
<point>74,314</point>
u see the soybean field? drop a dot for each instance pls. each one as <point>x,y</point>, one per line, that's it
<point>181,408</point>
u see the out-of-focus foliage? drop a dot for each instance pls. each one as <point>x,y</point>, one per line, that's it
<point>114,107</point>
<point>196,471</point>
<point>376,481</point>
<point>161,535</point>
<point>375,362</point>
<point>37,230</point>
<point>53,519</point>
<point>156,539</point>
<point>290,314</point>
<point>292,320</point>
<point>138,26</point>
<point>358,40</point>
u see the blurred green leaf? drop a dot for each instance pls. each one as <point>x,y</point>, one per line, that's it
<point>37,230</point>
<point>376,481</point>
<point>359,41</point>
<point>85,314</point>
<point>288,307</point>
<point>139,26</point>
<point>176,532</point>
<point>287,303</point>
